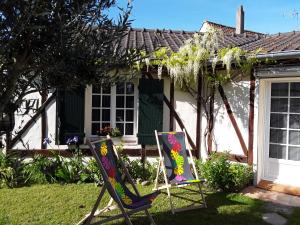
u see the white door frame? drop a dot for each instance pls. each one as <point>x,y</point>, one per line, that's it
<point>264,127</point>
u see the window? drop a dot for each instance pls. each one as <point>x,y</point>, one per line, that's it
<point>114,107</point>
<point>285,121</point>
<point>125,108</point>
<point>101,108</point>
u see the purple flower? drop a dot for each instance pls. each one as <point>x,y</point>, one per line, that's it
<point>72,140</point>
<point>46,141</point>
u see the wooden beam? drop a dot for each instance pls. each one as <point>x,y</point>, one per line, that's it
<point>172,101</point>
<point>232,119</point>
<point>176,116</point>
<point>44,120</point>
<point>251,119</point>
<point>33,119</point>
<point>199,119</point>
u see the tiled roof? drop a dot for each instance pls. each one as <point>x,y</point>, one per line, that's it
<point>289,41</point>
<point>150,39</point>
<point>230,30</point>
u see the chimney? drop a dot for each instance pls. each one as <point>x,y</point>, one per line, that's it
<point>239,29</point>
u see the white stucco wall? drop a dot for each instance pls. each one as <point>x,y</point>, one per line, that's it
<point>224,133</point>
<point>186,108</point>
<point>32,137</point>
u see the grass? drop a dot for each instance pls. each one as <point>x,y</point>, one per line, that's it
<point>67,204</point>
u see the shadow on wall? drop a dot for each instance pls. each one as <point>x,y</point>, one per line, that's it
<point>237,94</point>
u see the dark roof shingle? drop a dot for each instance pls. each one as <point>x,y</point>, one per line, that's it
<point>151,39</point>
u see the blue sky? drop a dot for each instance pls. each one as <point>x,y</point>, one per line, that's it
<point>260,15</point>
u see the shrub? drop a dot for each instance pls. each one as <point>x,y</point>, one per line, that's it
<point>137,170</point>
<point>10,170</point>
<point>223,175</point>
<point>93,173</point>
<point>40,170</point>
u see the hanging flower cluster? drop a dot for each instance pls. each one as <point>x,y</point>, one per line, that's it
<point>194,56</point>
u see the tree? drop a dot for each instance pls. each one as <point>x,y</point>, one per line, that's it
<point>59,43</point>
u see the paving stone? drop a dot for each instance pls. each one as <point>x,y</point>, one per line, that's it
<point>278,208</point>
<point>274,219</point>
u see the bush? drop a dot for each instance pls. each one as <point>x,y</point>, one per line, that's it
<point>11,168</point>
<point>137,170</point>
<point>223,175</point>
<point>39,171</point>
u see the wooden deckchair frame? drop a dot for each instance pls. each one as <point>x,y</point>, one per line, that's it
<point>125,213</point>
<point>168,186</point>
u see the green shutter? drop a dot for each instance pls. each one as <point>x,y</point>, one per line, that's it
<point>150,110</point>
<point>70,114</point>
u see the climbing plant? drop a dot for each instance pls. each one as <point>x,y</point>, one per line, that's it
<point>198,58</point>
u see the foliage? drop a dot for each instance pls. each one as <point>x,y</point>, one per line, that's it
<point>93,172</point>
<point>10,170</point>
<point>39,171</point>
<point>144,172</point>
<point>113,132</point>
<point>223,175</point>
<point>46,44</point>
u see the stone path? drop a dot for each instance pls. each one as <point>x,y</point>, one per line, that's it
<point>277,205</point>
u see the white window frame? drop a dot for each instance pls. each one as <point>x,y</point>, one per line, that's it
<point>88,112</point>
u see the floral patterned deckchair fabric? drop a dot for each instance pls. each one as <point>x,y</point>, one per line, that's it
<point>108,160</point>
<point>175,158</point>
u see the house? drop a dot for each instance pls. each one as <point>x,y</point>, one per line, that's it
<point>260,124</point>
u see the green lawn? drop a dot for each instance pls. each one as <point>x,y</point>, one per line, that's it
<point>66,204</point>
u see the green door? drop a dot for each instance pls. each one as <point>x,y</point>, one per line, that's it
<point>150,110</point>
<point>70,114</point>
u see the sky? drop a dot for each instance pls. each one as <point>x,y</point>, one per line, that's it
<point>266,16</point>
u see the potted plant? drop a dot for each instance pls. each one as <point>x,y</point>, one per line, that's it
<point>114,133</point>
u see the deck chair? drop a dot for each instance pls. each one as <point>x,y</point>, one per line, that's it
<point>175,166</point>
<point>127,201</point>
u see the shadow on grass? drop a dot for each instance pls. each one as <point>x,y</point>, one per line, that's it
<point>223,209</point>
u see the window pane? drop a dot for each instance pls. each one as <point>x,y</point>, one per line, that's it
<point>106,90</point>
<point>105,114</point>
<point>279,104</point>
<point>129,88</point>
<point>129,129</point>
<point>278,136</point>
<point>96,115</point>
<point>121,127</point>
<point>120,115</point>
<point>129,115</point>
<point>280,89</point>
<point>295,105</point>
<point>120,88</point>
<point>97,89</point>
<point>277,151</point>
<point>295,89</point>
<point>105,101</point>
<point>95,128</point>
<point>278,120</point>
<point>294,153</point>
<point>129,102</point>
<point>120,102</point>
<point>96,101</point>
<point>294,138</point>
<point>105,125</point>
<point>294,121</point>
